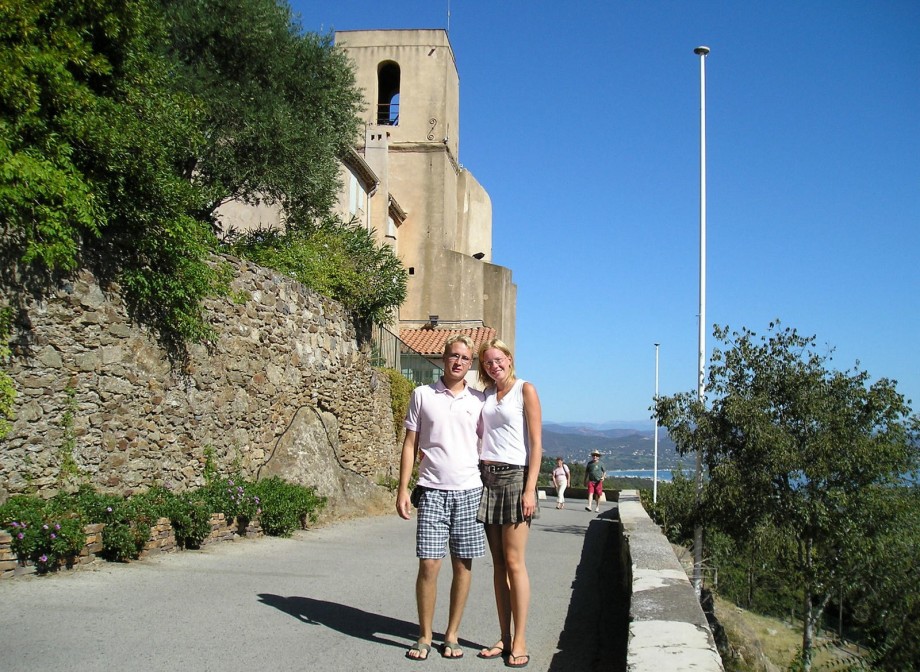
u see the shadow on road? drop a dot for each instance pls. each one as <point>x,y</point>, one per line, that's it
<point>595,634</point>
<point>564,529</point>
<point>347,620</point>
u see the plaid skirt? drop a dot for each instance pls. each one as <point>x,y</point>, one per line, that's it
<point>501,498</point>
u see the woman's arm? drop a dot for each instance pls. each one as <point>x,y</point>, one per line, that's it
<point>533,417</point>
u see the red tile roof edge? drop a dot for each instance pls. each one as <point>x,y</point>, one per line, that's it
<point>429,341</point>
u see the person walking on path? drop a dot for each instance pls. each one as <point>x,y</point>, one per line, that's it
<point>511,454</point>
<point>595,473</point>
<point>560,480</point>
<point>442,425</point>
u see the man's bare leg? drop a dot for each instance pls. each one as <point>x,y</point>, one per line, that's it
<point>459,590</point>
<point>426,594</point>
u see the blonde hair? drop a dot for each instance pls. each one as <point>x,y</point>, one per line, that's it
<point>458,338</point>
<point>484,379</point>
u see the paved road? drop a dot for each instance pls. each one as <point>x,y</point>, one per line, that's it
<point>335,598</point>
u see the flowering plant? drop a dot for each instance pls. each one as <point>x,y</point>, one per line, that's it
<point>42,532</point>
<point>234,498</point>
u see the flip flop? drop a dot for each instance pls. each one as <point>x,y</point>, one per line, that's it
<point>456,653</point>
<point>525,656</point>
<point>502,652</point>
<point>421,647</point>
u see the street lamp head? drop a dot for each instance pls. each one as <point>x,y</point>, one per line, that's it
<point>701,51</point>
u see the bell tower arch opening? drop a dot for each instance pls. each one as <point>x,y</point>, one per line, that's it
<point>388,93</point>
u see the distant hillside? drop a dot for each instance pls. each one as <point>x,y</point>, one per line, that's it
<point>623,448</point>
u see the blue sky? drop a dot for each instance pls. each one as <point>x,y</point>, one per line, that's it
<point>581,120</point>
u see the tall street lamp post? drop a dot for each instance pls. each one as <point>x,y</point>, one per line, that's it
<point>655,474</point>
<point>702,52</point>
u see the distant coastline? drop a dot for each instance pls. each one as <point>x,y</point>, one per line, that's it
<point>663,474</point>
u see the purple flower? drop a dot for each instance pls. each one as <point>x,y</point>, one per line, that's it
<point>15,524</point>
<point>230,481</point>
<point>44,527</point>
<point>57,526</point>
<point>109,509</point>
<point>20,535</point>
<point>53,535</point>
<point>43,558</point>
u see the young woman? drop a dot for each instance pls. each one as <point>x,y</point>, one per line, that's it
<point>511,454</point>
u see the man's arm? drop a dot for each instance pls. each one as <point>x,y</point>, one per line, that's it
<point>406,462</point>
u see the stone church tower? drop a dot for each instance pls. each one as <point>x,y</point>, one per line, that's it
<point>425,203</point>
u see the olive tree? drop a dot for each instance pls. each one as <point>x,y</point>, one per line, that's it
<point>789,443</point>
<point>280,105</point>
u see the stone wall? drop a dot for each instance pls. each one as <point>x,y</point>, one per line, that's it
<point>667,627</point>
<point>284,389</point>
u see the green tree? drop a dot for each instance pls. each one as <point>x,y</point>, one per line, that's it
<point>125,123</point>
<point>280,105</point>
<point>884,597</point>
<point>791,444</point>
<point>92,140</point>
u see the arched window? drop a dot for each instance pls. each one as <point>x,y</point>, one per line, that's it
<point>388,93</point>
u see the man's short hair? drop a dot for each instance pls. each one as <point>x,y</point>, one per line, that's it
<point>458,338</point>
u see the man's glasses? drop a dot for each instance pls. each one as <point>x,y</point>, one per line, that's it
<point>459,358</point>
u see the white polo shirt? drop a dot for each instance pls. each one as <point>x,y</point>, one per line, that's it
<point>447,432</point>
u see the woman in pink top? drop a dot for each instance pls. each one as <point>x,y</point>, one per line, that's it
<point>560,480</point>
<point>511,454</point>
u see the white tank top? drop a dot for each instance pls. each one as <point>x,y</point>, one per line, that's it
<point>504,431</point>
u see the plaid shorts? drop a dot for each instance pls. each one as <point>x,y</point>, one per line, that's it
<point>448,518</point>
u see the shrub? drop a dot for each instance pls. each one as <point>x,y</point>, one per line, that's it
<point>676,508</point>
<point>400,391</point>
<point>94,506</point>
<point>338,259</point>
<point>188,513</point>
<point>127,527</point>
<point>232,497</point>
<point>51,532</point>
<point>286,506</point>
<point>7,387</point>
<point>46,533</point>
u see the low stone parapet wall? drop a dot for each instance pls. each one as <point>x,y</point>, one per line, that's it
<point>11,566</point>
<point>668,629</point>
<point>162,540</point>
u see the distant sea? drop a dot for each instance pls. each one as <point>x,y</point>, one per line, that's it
<point>663,474</point>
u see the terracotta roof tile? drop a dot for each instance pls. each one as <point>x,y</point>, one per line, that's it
<point>430,341</point>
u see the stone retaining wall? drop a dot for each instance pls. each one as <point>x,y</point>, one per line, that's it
<point>285,389</point>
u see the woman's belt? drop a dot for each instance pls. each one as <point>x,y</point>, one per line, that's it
<point>498,468</point>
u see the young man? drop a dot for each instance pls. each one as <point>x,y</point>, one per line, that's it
<point>442,423</point>
<point>595,473</point>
